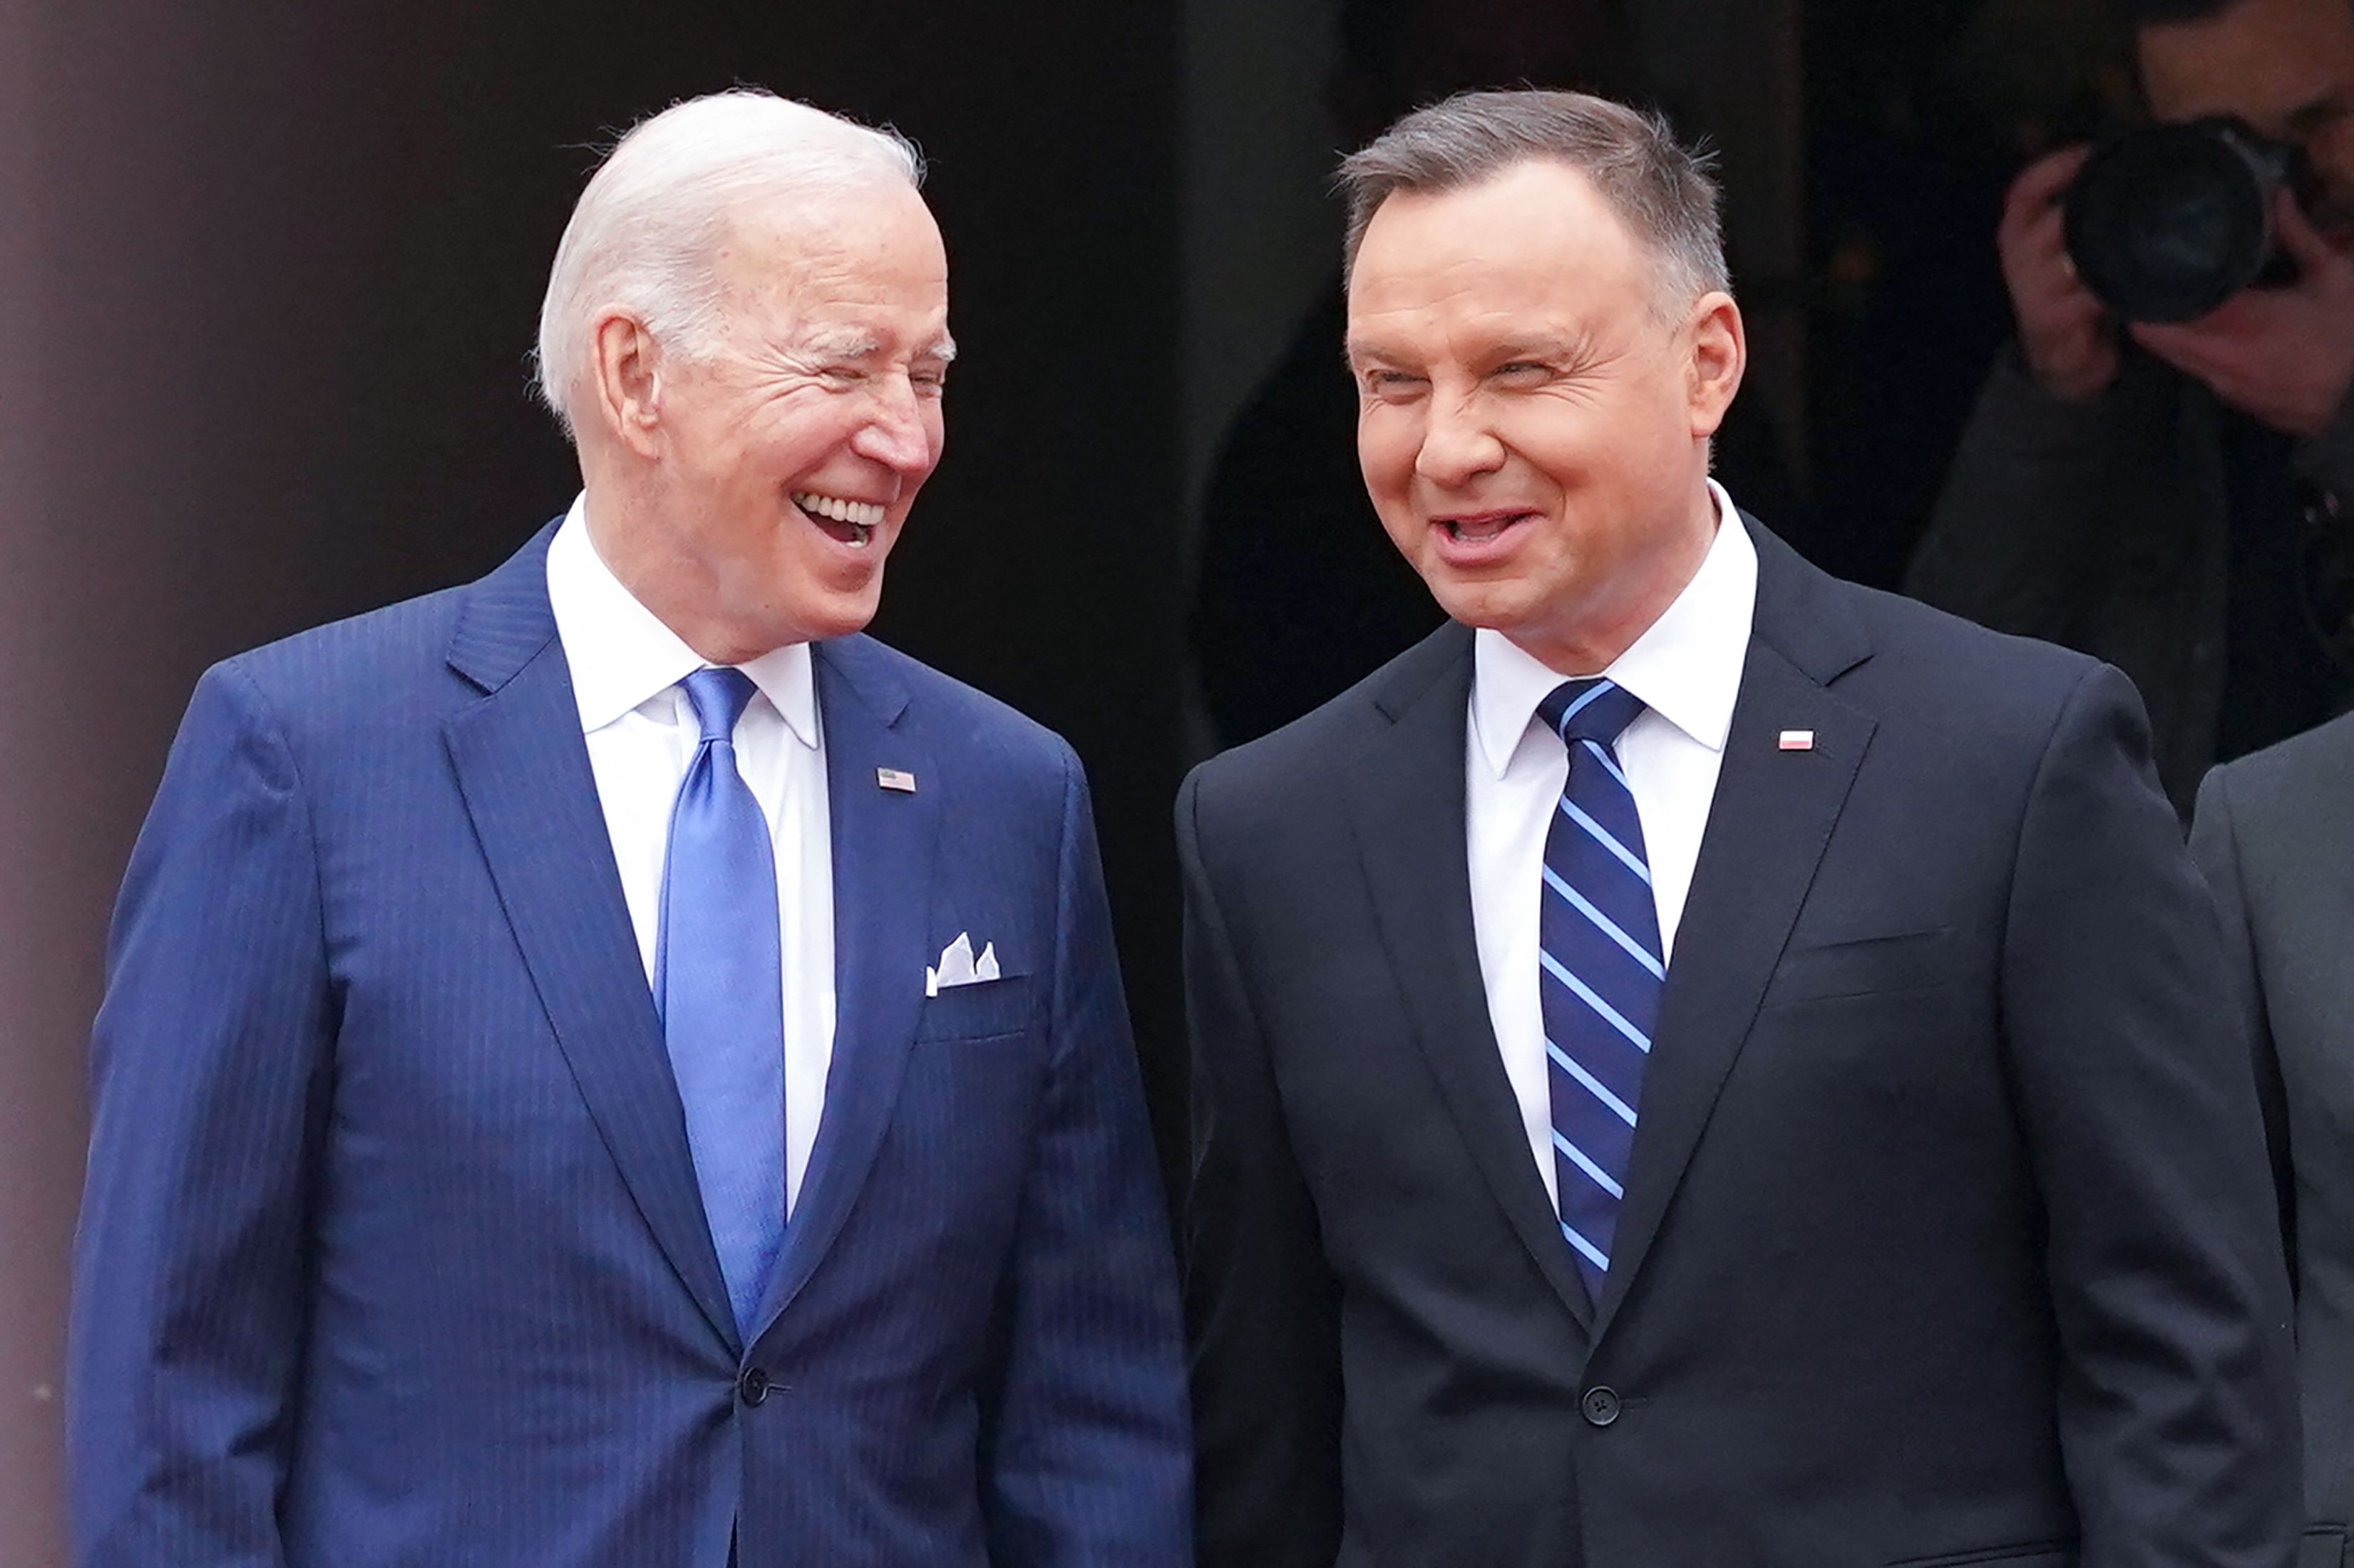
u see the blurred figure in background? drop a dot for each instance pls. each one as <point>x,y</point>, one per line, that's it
<point>1299,592</point>
<point>2172,498</point>
<point>1915,121</point>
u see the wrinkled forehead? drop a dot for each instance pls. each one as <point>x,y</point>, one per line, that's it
<point>854,274</point>
<point>1535,240</point>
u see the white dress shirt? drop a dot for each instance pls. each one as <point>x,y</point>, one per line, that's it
<point>642,733</point>
<point>1686,668</point>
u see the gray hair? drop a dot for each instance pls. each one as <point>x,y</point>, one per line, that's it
<point>647,228</point>
<point>1665,192</point>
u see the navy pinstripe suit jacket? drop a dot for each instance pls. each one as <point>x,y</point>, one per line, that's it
<point>392,1251</point>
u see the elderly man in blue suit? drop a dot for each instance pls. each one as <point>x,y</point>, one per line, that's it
<point>563,1096</point>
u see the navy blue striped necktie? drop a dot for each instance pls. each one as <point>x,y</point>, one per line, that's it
<point>1598,944</point>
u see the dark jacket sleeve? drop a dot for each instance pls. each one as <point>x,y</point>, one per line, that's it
<point>2045,496</point>
<point>2327,458</point>
<point>2178,1404</point>
<point>1089,1447</point>
<point>210,1074</point>
<point>1261,1303</point>
<point>2099,526</point>
<point>2215,845</point>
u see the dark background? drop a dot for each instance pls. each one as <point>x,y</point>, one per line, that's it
<point>268,273</point>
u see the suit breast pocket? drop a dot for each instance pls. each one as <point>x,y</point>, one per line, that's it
<point>1864,966</point>
<point>981,1009</point>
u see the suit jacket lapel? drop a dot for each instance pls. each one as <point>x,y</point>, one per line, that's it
<point>523,770</point>
<point>1407,792</point>
<point>1772,816</point>
<point>884,844</point>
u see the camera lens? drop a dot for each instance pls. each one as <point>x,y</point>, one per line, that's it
<point>2167,223</point>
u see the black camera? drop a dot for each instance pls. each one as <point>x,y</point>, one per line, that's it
<point>2167,222</point>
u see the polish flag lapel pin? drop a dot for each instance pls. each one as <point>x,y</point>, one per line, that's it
<point>1797,740</point>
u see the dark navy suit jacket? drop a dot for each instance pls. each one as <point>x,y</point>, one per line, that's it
<point>392,1251</point>
<point>1947,1239</point>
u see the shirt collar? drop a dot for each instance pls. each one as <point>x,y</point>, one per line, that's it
<point>621,655</point>
<point>1686,666</point>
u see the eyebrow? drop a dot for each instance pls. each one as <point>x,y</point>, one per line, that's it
<point>866,345</point>
<point>842,344</point>
<point>1540,347</point>
<point>1544,346</point>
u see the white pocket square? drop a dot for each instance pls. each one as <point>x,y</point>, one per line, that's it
<point>959,967</point>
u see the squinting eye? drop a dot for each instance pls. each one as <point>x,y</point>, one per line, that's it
<point>1392,387</point>
<point>1521,370</point>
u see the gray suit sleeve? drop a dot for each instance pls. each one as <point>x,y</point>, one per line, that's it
<point>2215,845</point>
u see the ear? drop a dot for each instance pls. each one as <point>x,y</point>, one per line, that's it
<point>1719,353</point>
<point>625,364</point>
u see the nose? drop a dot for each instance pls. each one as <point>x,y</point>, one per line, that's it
<point>896,434</point>
<point>1458,445</point>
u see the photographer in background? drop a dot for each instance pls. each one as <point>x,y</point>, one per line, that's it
<point>2174,498</point>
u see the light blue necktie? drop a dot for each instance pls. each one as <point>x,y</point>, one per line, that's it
<point>718,981</point>
<point>1603,968</point>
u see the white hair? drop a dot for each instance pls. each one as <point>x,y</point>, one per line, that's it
<point>648,226</point>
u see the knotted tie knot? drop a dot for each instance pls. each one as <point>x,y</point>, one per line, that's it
<point>1594,708</point>
<point>719,697</point>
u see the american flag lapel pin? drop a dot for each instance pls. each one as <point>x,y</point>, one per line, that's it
<point>1797,740</point>
<point>893,778</point>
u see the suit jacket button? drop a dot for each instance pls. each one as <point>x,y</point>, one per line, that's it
<point>753,1386</point>
<point>1600,1405</point>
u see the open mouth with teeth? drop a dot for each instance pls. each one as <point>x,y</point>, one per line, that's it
<point>850,522</point>
<point>1480,530</point>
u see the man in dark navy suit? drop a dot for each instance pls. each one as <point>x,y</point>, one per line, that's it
<point>1698,1065</point>
<point>563,1097</point>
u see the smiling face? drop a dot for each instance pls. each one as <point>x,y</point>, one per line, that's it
<point>767,480</point>
<point>1532,424</point>
<point>2286,67</point>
